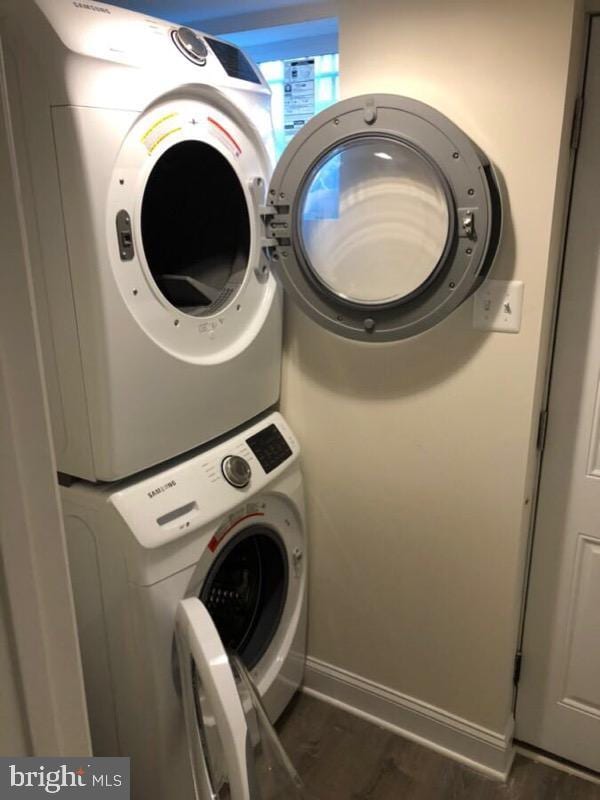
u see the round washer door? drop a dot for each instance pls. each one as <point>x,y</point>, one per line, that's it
<point>382,218</point>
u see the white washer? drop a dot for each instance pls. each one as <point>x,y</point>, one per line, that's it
<point>185,532</point>
<point>144,153</point>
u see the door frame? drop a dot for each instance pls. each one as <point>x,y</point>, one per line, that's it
<point>591,10</point>
<point>32,538</point>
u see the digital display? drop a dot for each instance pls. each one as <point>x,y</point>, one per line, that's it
<point>233,61</point>
<point>269,447</point>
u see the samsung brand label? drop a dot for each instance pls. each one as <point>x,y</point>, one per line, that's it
<point>160,489</point>
<point>90,7</point>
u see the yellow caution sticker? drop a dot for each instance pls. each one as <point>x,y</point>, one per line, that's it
<point>160,130</point>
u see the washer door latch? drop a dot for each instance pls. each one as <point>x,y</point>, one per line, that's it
<point>297,557</point>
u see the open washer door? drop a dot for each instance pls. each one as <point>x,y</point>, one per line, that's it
<point>235,752</point>
<point>382,218</point>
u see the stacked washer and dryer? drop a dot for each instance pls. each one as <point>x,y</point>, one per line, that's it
<point>144,154</point>
<point>156,224</point>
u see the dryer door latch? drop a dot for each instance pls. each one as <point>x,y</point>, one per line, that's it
<point>467,223</point>
<point>125,236</point>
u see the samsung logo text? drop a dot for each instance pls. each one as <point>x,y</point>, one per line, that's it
<point>88,7</point>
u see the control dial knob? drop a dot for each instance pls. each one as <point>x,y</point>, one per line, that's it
<point>191,45</point>
<point>236,471</point>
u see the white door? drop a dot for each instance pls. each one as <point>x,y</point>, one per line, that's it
<point>558,706</point>
<point>234,751</point>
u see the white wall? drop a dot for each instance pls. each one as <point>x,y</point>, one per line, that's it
<point>420,456</point>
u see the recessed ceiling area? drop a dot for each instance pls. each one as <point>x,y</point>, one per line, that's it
<point>265,30</point>
<point>186,10</point>
<point>193,11</point>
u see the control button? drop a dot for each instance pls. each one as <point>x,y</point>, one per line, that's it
<point>236,471</point>
<point>191,45</point>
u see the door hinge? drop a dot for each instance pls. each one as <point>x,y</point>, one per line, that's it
<point>276,225</point>
<point>542,428</point>
<point>577,120</point>
<point>517,669</point>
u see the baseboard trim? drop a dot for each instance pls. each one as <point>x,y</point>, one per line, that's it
<point>475,746</point>
<point>534,754</point>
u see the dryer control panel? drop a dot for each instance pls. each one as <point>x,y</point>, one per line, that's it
<point>233,61</point>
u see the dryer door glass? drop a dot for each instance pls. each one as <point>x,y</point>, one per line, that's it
<point>383,217</point>
<point>195,228</point>
<point>235,752</point>
<point>373,220</point>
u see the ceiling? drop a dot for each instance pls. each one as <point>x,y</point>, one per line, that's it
<point>194,10</point>
<point>265,29</point>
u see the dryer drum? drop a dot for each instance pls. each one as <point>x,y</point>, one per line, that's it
<point>245,592</point>
<point>195,228</point>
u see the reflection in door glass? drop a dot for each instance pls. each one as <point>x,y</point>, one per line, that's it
<point>374,220</point>
<point>323,200</point>
<point>210,739</point>
<point>272,774</point>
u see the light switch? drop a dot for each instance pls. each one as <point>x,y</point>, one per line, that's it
<point>498,306</point>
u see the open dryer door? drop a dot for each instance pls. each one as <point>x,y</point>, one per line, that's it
<point>235,752</point>
<point>382,218</point>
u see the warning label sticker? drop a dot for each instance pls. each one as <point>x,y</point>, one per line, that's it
<point>226,528</point>
<point>225,137</point>
<point>159,130</point>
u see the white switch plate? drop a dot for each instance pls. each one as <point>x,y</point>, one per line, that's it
<point>498,306</point>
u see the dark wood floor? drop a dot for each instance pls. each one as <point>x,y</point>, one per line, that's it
<point>342,757</point>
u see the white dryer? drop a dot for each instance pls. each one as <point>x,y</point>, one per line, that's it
<point>144,151</point>
<point>220,537</point>
<point>156,225</point>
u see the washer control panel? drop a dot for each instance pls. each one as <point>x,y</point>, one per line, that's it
<point>269,447</point>
<point>236,471</point>
<point>198,490</point>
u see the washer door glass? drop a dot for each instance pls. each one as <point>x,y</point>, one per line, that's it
<point>382,218</point>
<point>195,228</point>
<point>374,220</point>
